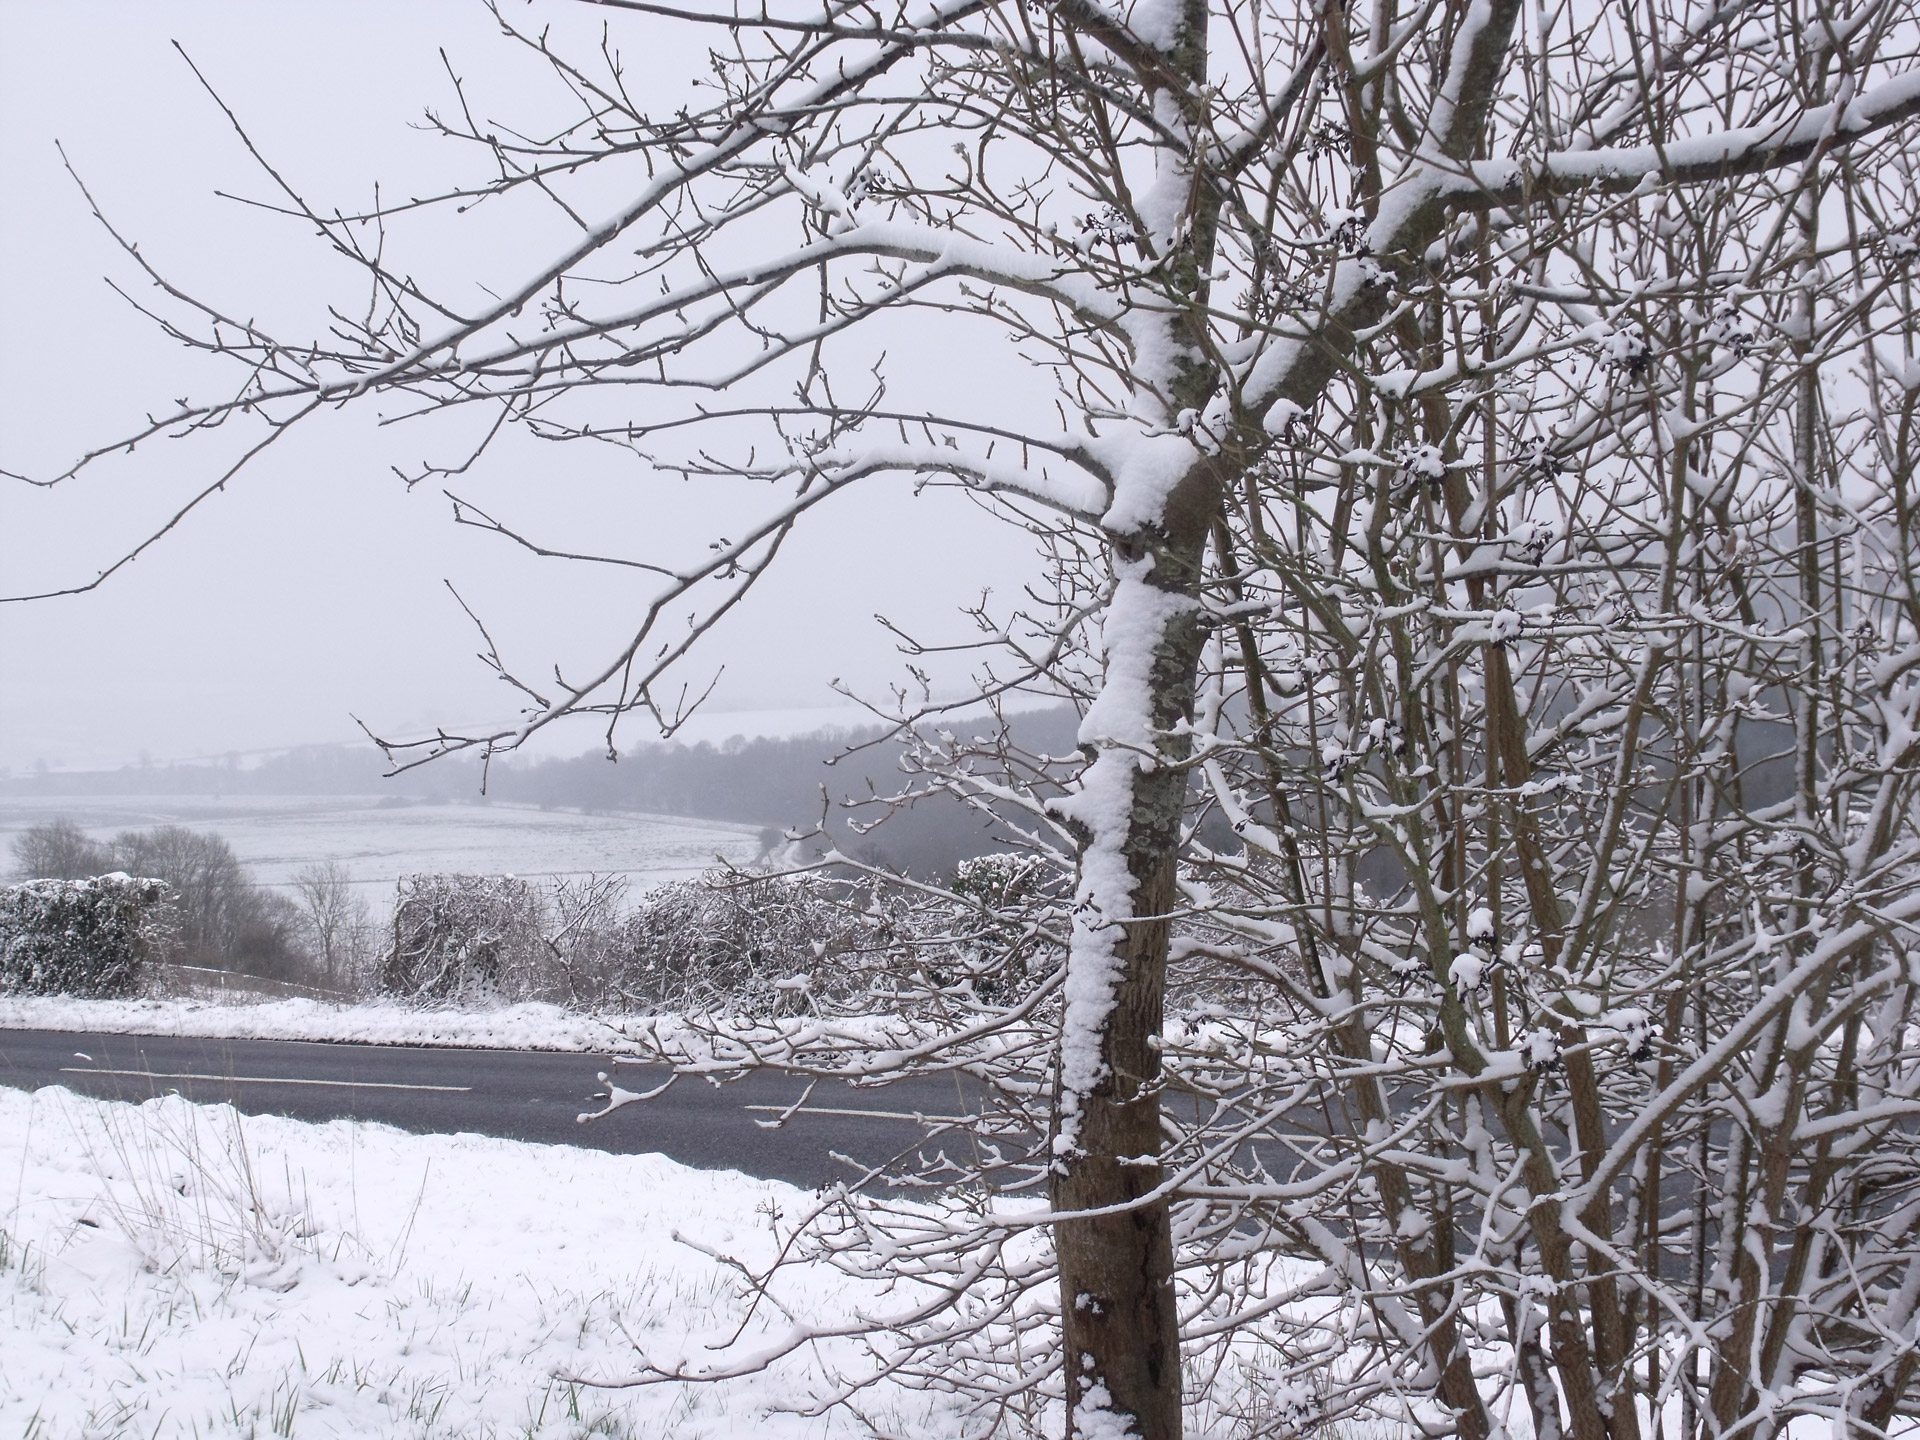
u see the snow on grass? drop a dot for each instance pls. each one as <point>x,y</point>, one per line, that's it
<point>171,1269</point>
<point>524,1026</point>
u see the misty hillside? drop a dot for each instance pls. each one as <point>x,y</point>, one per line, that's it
<point>777,784</point>
<point>774,783</point>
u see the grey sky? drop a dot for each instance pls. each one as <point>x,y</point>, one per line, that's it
<point>314,588</point>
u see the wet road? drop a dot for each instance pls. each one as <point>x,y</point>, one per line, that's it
<point>516,1094</point>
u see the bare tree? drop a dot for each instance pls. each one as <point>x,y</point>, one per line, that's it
<point>339,924</point>
<point>59,850</point>
<point>1461,436</point>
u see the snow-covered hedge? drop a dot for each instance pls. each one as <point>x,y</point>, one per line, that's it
<point>78,937</point>
<point>718,941</point>
<point>459,937</point>
<point>724,940</point>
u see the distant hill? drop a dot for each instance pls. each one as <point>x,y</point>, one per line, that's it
<point>774,783</point>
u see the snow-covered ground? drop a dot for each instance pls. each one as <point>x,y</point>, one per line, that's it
<point>171,1269</point>
<point>525,1026</point>
<point>277,836</point>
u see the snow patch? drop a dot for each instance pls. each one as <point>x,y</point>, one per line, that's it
<point>1094,1418</point>
<point>526,1026</point>
<point>1145,469</point>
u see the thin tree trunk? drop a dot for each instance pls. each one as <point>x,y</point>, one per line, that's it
<point>1120,1328</point>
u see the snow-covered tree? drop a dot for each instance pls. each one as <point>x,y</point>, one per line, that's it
<point>1471,447</point>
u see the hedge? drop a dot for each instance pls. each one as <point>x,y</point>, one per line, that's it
<point>77,937</point>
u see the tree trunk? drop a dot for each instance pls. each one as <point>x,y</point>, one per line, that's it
<point>1120,1328</point>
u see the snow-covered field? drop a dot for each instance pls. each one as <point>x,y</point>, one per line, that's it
<point>171,1269</point>
<point>276,836</point>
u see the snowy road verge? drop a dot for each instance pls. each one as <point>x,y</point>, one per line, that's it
<point>172,1269</point>
<point>525,1026</point>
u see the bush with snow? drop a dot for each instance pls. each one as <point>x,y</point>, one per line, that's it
<point>731,942</point>
<point>219,916</point>
<point>727,940</point>
<point>78,937</point>
<point>455,937</point>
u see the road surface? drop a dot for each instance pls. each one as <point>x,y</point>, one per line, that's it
<point>518,1094</point>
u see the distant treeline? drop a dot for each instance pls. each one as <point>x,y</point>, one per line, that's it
<point>774,784</point>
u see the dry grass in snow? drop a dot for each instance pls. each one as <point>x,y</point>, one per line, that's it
<point>171,1269</point>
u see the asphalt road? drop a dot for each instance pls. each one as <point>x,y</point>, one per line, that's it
<point>517,1094</point>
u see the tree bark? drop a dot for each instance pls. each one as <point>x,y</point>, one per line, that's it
<point>1120,1328</point>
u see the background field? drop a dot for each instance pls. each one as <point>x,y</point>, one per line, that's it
<point>377,840</point>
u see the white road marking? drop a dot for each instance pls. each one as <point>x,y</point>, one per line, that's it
<point>260,1079</point>
<point>863,1114</point>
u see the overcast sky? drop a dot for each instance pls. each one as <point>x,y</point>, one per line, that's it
<point>313,590</point>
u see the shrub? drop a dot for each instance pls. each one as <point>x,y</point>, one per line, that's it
<point>461,937</point>
<point>994,941</point>
<point>78,937</point>
<point>749,945</point>
<point>725,942</point>
<point>218,916</point>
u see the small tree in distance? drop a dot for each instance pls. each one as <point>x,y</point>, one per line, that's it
<point>222,918</point>
<point>1462,440</point>
<point>338,922</point>
<point>59,850</point>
